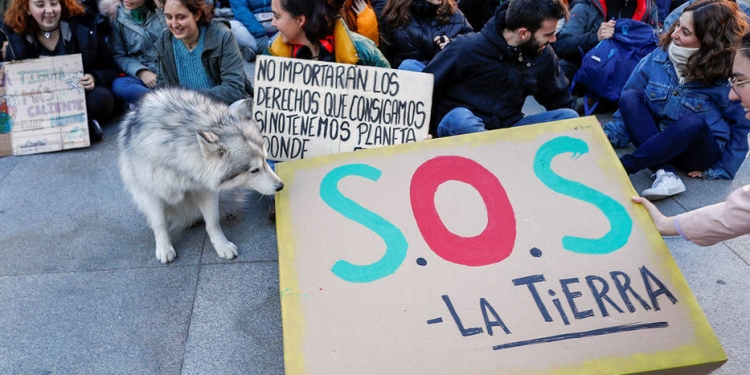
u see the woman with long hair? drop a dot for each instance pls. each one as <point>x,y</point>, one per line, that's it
<point>36,28</point>
<point>418,29</point>
<point>314,30</point>
<point>199,53</point>
<point>675,107</point>
<point>136,26</point>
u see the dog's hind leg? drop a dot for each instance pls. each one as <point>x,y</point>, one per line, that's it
<point>156,214</point>
<point>208,203</point>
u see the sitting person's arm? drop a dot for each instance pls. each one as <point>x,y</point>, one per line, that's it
<point>707,225</point>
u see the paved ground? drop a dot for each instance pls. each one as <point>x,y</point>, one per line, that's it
<point>81,291</point>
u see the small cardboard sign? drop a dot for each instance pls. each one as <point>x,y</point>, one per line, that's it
<point>516,251</point>
<point>309,108</point>
<point>42,106</point>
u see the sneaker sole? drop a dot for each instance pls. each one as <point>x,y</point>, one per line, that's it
<point>656,197</point>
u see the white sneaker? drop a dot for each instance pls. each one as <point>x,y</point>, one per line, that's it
<point>666,185</point>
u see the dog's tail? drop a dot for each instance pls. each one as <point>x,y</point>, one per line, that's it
<point>186,215</point>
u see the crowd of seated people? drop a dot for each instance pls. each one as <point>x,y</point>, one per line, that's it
<point>485,64</point>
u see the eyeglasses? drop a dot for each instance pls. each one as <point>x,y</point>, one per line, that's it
<point>735,84</point>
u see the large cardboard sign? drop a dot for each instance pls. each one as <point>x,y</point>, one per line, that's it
<point>42,106</point>
<point>308,108</point>
<point>515,251</point>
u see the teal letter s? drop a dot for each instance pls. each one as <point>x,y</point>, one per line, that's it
<point>394,239</point>
<point>619,220</point>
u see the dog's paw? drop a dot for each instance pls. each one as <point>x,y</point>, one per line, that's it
<point>226,250</point>
<point>165,254</point>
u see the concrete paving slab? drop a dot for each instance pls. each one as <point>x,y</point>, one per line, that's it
<point>68,211</point>
<point>236,322</point>
<point>719,280</point>
<point>110,322</point>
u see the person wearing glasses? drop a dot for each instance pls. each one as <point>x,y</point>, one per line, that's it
<point>729,219</point>
<point>675,106</point>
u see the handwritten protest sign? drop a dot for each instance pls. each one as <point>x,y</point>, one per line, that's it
<point>309,108</point>
<point>42,106</point>
<point>514,251</point>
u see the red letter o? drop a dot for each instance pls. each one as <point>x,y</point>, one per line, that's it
<point>494,244</point>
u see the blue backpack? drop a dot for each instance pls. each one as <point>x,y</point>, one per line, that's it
<point>606,68</point>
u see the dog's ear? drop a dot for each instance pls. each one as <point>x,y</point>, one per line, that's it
<point>243,108</point>
<point>210,144</point>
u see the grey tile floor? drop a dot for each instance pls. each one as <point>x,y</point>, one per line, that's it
<point>82,293</point>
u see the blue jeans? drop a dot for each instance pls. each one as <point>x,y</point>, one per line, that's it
<point>688,143</point>
<point>129,89</point>
<point>461,120</point>
<point>412,65</point>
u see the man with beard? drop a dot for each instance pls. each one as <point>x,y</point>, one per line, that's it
<point>482,79</point>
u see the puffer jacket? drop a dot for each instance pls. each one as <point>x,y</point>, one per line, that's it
<point>416,40</point>
<point>132,44</point>
<point>80,35</point>
<point>482,73</point>
<point>244,12</point>
<point>579,34</point>
<point>668,101</point>
<point>365,23</point>
<point>221,58</point>
<point>348,48</point>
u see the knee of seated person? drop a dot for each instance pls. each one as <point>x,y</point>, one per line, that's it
<point>565,113</point>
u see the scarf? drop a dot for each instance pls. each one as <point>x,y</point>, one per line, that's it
<point>139,15</point>
<point>679,57</point>
<point>325,52</point>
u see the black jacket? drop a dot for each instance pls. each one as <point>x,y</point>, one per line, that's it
<point>416,40</point>
<point>82,35</point>
<point>485,75</point>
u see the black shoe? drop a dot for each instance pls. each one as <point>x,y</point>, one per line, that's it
<point>96,133</point>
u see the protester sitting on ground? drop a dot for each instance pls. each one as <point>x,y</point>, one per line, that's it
<point>360,18</point>
<point>136,26</point>
<point>252,26</point>
<point>38,28</point>
<point>416,30</point>
<point>592,21</point>
<point>722,221</point>
<point>482,79</point>
<point>674,15</point>
<point>674,106</point>
<point>199,53</point>
<point>314,30</point>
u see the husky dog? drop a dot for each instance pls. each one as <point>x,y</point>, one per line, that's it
<point>178,150</point>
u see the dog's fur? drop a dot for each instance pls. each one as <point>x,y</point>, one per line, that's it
<point>178,151</point>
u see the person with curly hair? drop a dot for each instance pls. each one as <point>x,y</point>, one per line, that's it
<point>416,30</point>
<point>675,106</point>
<point>37,28</point>
<point>199,53</point>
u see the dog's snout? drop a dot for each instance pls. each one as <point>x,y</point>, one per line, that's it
<point>279,186</point>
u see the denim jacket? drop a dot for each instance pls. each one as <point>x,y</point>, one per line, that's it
<point>131,43</point>
<point>668,100</point>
